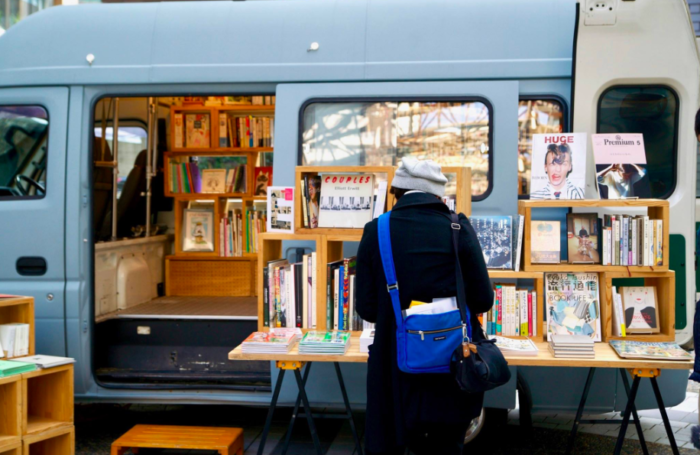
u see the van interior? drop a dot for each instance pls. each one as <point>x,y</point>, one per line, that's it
<point>169,301</point>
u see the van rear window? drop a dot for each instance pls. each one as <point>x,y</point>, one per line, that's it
<point>23,146</point>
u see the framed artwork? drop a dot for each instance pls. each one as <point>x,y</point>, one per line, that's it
<point>198,230</point>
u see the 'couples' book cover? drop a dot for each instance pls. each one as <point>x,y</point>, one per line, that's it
<point>558,166</point>
<point>346,200</point>
<point>621,166</point>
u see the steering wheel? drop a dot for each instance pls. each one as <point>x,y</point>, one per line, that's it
<point>24,189</point>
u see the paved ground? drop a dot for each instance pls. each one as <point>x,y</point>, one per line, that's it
<point>99,425</point>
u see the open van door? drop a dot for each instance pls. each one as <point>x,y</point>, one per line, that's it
<point>33,123</point>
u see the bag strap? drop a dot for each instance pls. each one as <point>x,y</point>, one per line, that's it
<point>459,278</point>
<point>387,257</point>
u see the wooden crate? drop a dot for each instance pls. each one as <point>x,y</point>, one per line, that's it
<point>210,276</point>
<point>57,441</point>
<point>47,400</point>
<point>665,283</point>
<point>19,309</point>
<point>497,277</point>
<point>657,209</point>
<point>11,414</point>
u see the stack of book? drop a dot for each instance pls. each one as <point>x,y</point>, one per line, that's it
<point>10,368</point>
<point>366,339</point>
<point>44,362</point>
<point>276,341</point>
<point>237,237</point>
<point>333,343</point>
<point>576,346</point>
<point>246,131</point>
<point>14,340</point>
<point>523,347</point>
<point>514,312</point>
<point>632,240</point>
<point>187,176</point>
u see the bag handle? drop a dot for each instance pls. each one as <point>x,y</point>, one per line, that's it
<point>459,278</point>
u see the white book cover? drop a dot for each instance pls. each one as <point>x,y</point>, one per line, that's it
<point>380,200</point>
<point>7,339</point>
<point>291,296</point>
<point>645,254</point>
<point>280,209</point>
<point>614,245</point>
<point>524,320</point>
<point>305,290</point>
<point>518,305</point>
<point>633,248</point>
<point>346,200</point>
<point>519,246</point>
<point>513,315</point>
<point>336,282</point>
<point>46,361</point>
<point>366,339</point>
<point>179,130</point>
<point>314,310</point>
<point>534,313</point>
<point>659,236</point>
<point>558,166</point>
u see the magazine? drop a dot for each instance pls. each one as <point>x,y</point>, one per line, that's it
<point>572,304</point>
<point>558,166</point>
<point>280,209</point>
<point>621,166</point>
<point>646,350</point>
<point>324,343</point>
<point>495,234</point>
<point>346,200</point>
<point>582,238</point>
<point>516,347</point>
<point>641,314</point>
<point>275,341</point>
<point>544,242</point>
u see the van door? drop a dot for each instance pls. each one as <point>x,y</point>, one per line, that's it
<point>33,123</point>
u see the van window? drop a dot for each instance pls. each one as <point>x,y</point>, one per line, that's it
<point>652,111</point>
<point>535,116</point>
<point>132,140</point>
<point>380,133</point>
<point>23,141</point>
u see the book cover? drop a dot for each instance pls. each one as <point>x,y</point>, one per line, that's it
<point>179,130</point>
<point>284,297</point>
<point>513,347</point>
<point>197,131</point>
<point>659,239</point>
<point>645,350</point>
<point>349,265</point>
<point>330,292</point>
<point>495,234</point>
<point>313,194</point>
<point>198,232</point>
<point>641,313</point>
<point>582,238</point>
<point>621,166</point>
<point>545,243</point>
<point>534,313</point>
<point>223,137</point>
<point>304,203</point>
<point>519,243</point>
<point>499,310</point>
<point>337,323</point>
<point>280,209</point>
<point>346,200</point>
<point>298,294</point>
<point>314,306</point>
<point>263,179</point>
<point>213,181</point>
<point>266,297</point>
<point>305,289</point>
<point>273,291</point>
<point>558,166</point>
<point>572,304</point>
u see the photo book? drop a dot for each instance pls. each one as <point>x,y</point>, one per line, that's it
<point>582,238</point>
<point>545,247</point>
<point>198,232</point>
<point>558,166</point>
<point>572,304</point>
<point>495,234</point>
<point>621,166</point>
<point>346,200</point>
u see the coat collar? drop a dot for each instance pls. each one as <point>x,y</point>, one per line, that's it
<point>414,199</point>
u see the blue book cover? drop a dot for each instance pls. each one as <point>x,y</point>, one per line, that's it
<point>495,234</point>
<point>341,274</point>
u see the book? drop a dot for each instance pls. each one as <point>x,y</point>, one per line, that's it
<point>545,246</point>
<point>214,181</point>
<point>349,265</point>
<point>558,166</point>
<point>618,320</point>
<point>645,350</point>
<point>582,238</point>
<point>197,131</point>
<point>520,347</point>
<point>11,368</point>
<point>46,361</point>
<point>330,292</point>
<point>223,137</point>
<point>277,340</point>
<point>313,194</point>
<point>263,179</point>
<point>495,235</point>
<point>346,200</point>
<point>520,221</point>
<point>313,292</point>
<point>621,166</point>
<point>338,297</point>
<point>179,131</point>
<point>572,304</point>
<point>280,209</point>
<point>641,313</point>
<point>266,296</point>
<point>380,199</point>
<point>305,285</point>
<point>14,337</point>
<point>366,339</point>
<point>331,342</point>
<point>198,230</point>
<point>304,204</point>
<point>300,307</point>
<point>273,289</point>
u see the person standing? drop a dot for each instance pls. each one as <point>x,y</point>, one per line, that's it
<point>426,412</point>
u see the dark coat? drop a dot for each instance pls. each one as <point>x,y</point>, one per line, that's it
<point>421,239</point>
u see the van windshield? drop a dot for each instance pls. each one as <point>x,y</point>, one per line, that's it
<point>23,134</point>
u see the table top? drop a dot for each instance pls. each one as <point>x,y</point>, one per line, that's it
<point>605,357</point>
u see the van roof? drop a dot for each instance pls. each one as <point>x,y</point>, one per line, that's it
<point>268,41</point>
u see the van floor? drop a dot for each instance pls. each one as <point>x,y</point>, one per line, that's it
<point>186,307</point>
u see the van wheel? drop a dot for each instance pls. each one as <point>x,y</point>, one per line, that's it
<point>489,421</point>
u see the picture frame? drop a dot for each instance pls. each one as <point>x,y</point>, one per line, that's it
<point>198,230</point>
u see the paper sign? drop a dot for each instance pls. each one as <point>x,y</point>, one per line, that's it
<point>619,148</point>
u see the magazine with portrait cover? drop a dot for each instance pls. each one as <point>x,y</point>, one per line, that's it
<point>558,166</point>
<point>495,234</point>
<point>346,200</point>
<point>572,304</point>
<point>621,166</point>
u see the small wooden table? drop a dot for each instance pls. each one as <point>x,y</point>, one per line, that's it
<point>605,357</point>
<point>227,441</point>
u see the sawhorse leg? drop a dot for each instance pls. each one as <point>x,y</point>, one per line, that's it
<point>652,374</point>
<point>358,444</point>
<point>288,438</point>
<point>270,412</point>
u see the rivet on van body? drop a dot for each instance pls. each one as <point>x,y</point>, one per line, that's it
<point>90,58</point>
<point>313,47</point>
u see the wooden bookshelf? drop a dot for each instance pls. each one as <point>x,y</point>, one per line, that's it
<point>12,449</point>
<point>657,209</point>
<point>58,441</point>
<point>11,415</point>
<point>537,278</point>
<point>19,309</point>
<point>47,399</point>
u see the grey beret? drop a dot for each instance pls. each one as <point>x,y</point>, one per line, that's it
<point>423,175</point>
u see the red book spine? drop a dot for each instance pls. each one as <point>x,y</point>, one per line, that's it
<point>499,322</point>
<point>530,319</point>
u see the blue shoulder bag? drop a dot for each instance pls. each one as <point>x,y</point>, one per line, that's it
<point>442,343</point>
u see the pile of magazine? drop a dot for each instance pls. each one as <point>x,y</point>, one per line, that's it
<point>574,346</point>
<point>276,341</point>
<point>515,347</point>
<point>649,350</point>
<point>325,343</point>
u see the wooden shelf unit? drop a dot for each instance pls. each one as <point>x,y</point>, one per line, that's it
<point>497,277</point>
<point>58,441</point>
<point>19,309</point>
<point>11,415</point>
<point>47,400</point>
<point>665,283</point>
<point>12,449</point>
<point>657,209</point>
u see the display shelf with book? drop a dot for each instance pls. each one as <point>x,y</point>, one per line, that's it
<point>11,415</point>
<point>17,310</point>
<point>663,297</point>
<point>657,212</point>
<point>192,175</point>
<point>14,448</point>
<point>58,441</point>
<point>47,399</point>
<point>522,310</point>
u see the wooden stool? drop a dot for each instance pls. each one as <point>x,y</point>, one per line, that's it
<point>227,441</point>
